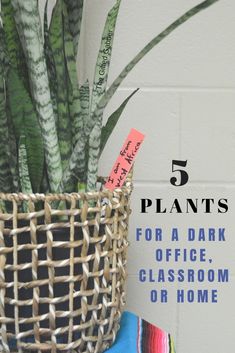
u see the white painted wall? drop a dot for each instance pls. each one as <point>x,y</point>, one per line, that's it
<point>186,108</point>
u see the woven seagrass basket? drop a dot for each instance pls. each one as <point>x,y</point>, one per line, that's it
<point>62,271</point>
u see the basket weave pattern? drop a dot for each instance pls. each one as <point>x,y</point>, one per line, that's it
<point>62,270</point>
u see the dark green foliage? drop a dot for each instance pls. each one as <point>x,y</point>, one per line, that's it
<point>57,43</point>
<point>51,69</point>
<point>51,129</point>
<point>75,11</point>
<point>25,122</point>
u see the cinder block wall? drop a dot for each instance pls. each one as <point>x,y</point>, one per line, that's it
<point>186,108</point>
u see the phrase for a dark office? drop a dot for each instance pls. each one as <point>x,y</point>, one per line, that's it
<point>180,259</point>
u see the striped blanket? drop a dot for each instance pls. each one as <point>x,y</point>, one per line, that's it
<point>138,336</point>
<point>135,336</point>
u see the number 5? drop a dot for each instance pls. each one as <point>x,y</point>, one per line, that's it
<point>183,174</point>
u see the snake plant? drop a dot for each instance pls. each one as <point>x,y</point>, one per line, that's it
<point>51,125</point>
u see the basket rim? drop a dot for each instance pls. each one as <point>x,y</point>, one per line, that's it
<point>105,193</point>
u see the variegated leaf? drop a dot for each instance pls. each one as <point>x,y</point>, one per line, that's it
<point>112,122</point>
<point>57,42</point>
<point>76,164</point>
<point>29,28</point>
<point>12,37</point>
<point>13,152</point>
<point>14,49</point>
<point>81,170</point>
<point>74,103</point>
<point>85,101</point>
<point>73,86</point>
<point>7,174</point>
<point>6,179</point>
<point>4,60</point>
<point>73,170</point>
<point>23,167</point>
<point>50,62</point>
<point>26,124</point>
<point>99,88</point>
<point>93,157</point>
<point>103,62</point>
<point>75,11</point>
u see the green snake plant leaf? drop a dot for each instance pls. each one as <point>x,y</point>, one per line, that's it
<point>98,113</point>
<point>23,167</point>
<point>56,37</point>
<point>74,166</point>
<point>12,37</point>
<point>80,170</point>
<point>6,173</point>
<point>27,18</point>
<point>85,100</point>
<point>75,11</point>
<point>112,122</point>
<point>74,100</point>
<point>99,88</point>
<point>75,162</point>
<point>14,48</point>
<point>25,122</point>
<point>50,62</point>
<point>103,61</point>
<point>6,180</point>
<point>73,86</point>
<point>13,152</point>
<point>4,61</point>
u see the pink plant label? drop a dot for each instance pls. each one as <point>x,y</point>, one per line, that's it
<point>125,160</point>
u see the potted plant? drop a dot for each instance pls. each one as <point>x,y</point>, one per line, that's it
<point>62,249</point>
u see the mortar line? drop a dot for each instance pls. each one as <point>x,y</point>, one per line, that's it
<point>201,183</point>
<point>180,125</point>
<point>175,89</point>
